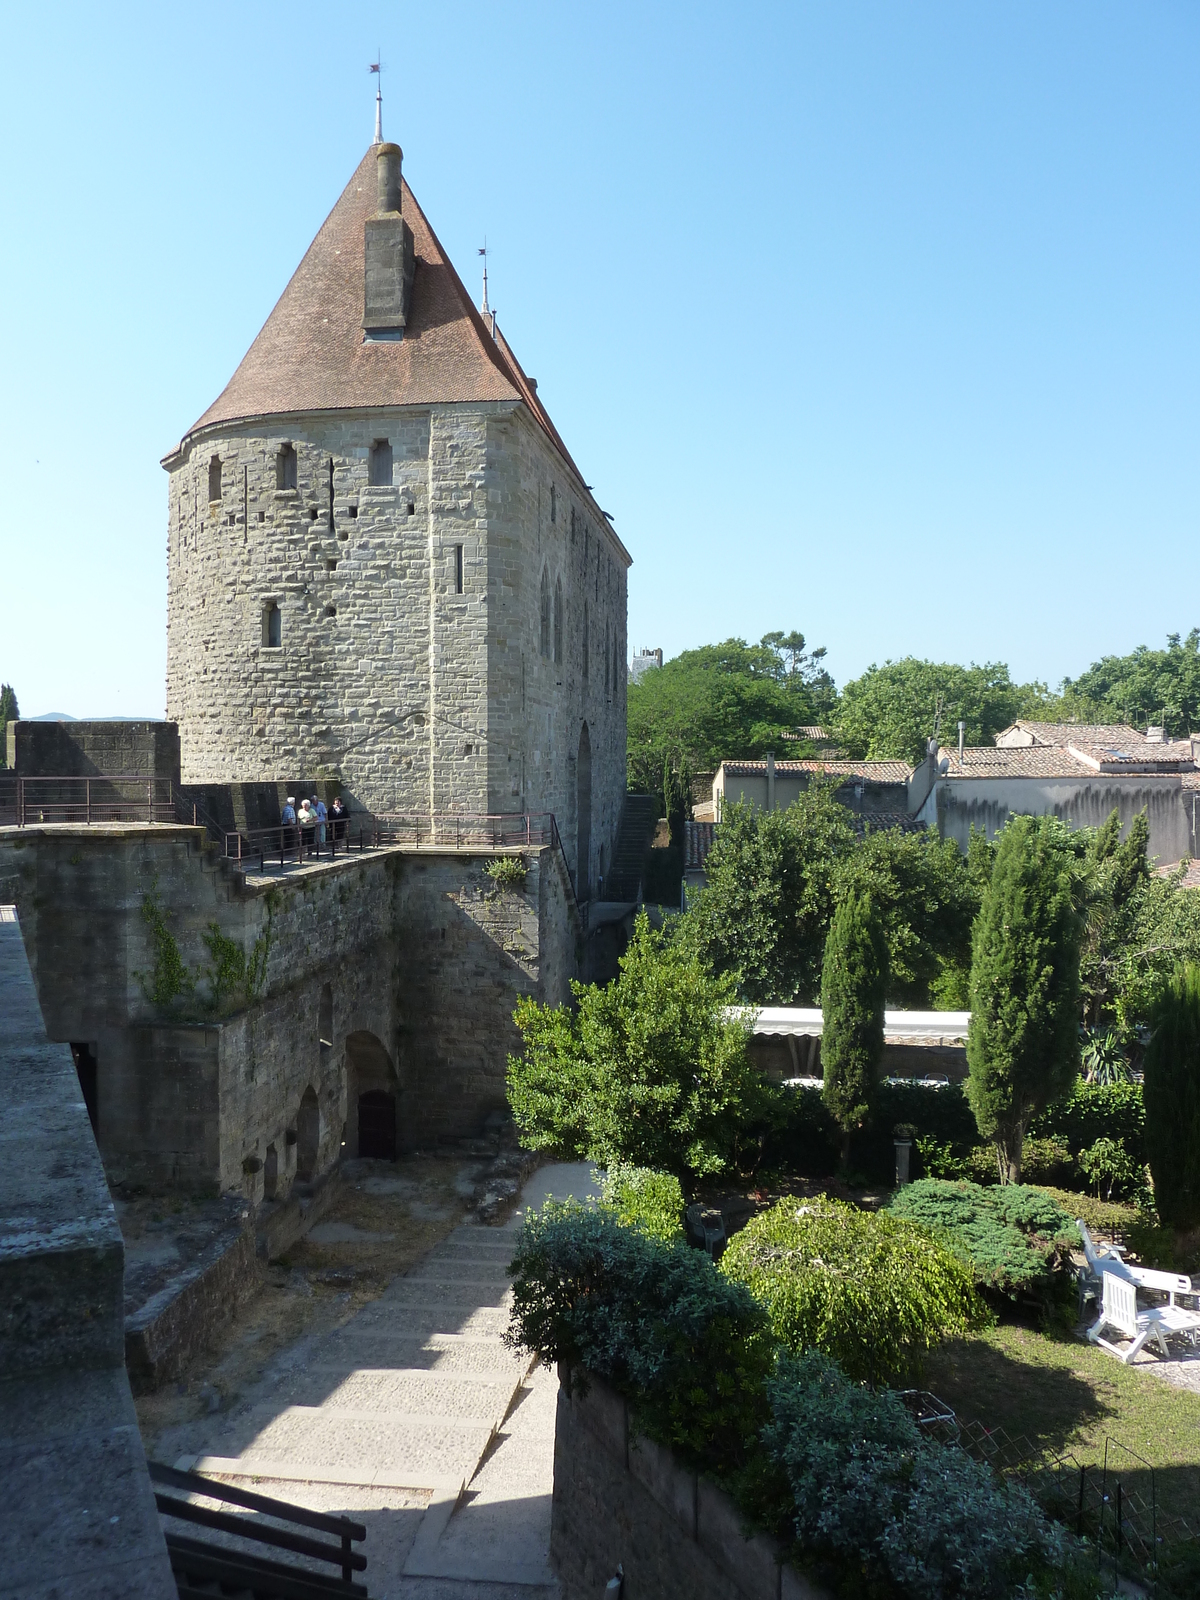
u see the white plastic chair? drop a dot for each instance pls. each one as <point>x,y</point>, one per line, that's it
<point>1120,1313</point>
<point>1109,1261</point>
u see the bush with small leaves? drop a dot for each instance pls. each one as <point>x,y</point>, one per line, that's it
<point>870,1291</point>
<point>639,1197</point>
<point>507,872</point>
<point>688,1348</point>
<point>900,1513</point>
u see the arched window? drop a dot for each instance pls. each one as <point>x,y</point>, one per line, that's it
<point>214,478</point>
<point>553,504</point>
<point>558,622</point>
<point>272,626</point>
<point>544,643</point>
<point>586,641</point>
<point>380,465</point>
<point>285,467</point>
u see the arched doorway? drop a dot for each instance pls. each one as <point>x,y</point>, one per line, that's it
<point>372,1098</point>
<point>377,1124</point>
<point>583,815</point>
<point>308,1136</point>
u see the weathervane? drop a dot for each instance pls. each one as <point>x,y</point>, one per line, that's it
<point>377,67</point>
<point>485,309</point>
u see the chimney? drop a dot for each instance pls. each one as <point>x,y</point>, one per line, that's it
<point>1155,735</point>
<point>389,254</point>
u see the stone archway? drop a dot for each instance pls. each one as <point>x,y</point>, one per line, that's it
<point>372,1098</point>
<point>583,816</point>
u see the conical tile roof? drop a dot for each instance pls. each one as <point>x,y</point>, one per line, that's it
<point>310,355</point>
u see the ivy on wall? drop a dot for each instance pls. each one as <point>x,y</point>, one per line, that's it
<point>232,977</point>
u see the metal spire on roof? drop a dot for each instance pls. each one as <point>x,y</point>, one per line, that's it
<point>486,310</point>
<point>376,67</point>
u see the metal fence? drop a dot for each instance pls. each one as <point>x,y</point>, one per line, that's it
<point>1111,1501</point>
<point>122,797</point>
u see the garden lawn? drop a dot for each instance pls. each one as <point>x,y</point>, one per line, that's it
<point>1066,1396</point>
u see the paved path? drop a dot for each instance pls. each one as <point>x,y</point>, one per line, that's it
<point>416,1417</point>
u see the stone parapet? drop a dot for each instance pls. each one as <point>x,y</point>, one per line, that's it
<point>622,1501</point>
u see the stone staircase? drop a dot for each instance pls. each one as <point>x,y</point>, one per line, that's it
<point>624,877</point>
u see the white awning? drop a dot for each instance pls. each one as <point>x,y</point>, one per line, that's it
<point>931,1028</point>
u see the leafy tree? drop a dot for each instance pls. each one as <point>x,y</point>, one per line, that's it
<point>1146,686</point>
<point>9,712</point>
<point>926,900</point>
<point>853,988</point>
<point>718,703</point>
<point>1023,1043</point>
<point>1172,1097</point>
<point>763,917</point>
<point>1116,873</point>
<point>774,879</point>
<point>890,712</point>
<point>650,1069</point>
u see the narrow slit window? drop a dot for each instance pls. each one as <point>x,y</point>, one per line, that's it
<point>272,626</point>
<point>285,467</point>
<point>553,504</point>
<point>558,623</point>
<point>586,642</point>
<point>458,569</point>
<point>544,639</point>
<point>380,468</point>
<point>214,478</point>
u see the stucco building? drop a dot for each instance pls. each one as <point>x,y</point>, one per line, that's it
<point>385,570</point>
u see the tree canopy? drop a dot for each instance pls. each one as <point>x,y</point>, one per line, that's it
<point>1146,686</point>
<point>775,879</point>
<point>890,712</point>
<point>721,702</point>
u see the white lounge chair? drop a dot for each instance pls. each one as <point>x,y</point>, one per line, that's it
<point>1121,1314</point>
<point>1109,1261</point>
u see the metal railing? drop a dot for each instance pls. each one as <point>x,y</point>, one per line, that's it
<point>121,797</point>
<point>199,1561</point>
<point>301,842</point>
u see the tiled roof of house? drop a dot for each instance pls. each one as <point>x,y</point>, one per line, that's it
<point>1191,873</point>
<point>311,356</point>
<point>1066,733</point>
<point>876,771</point>
<point>697,842</point>
<point>1079,760</point>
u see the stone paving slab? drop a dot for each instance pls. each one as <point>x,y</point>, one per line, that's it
<point>449,1353</point>
<point>445,1298</point>
<point>451,1270</point>
<point>408,1322</point>
<point>415,1450</point>
<point>401,1390</point>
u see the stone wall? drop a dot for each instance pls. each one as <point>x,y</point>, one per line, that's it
<point>415,696</point>
<point>957,805</point>
<point>621,1500</point>
<point>395,969</point>
<point>78,1507</point>
<point>93,749</point>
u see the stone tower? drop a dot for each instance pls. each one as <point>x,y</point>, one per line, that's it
<point>385,569</point>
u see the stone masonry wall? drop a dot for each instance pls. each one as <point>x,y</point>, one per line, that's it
<point>621,1500</point>
<point>408,961</point>
<point>415,696</point>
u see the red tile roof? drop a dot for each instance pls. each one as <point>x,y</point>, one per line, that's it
<point>310,354</point>
<point>876,771</point>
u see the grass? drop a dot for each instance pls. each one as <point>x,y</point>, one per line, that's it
<point>1066,1396</point>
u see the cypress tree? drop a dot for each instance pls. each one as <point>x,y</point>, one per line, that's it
<point>853,985</point>
<point>1023,1043</point>
<point>8,713</point>
<point>1171,1090</point>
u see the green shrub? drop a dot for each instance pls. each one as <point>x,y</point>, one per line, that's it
<point>1015,1238</point>
<point>871,1292</point>
<point>1172,1091</point>
<point>639,1197</point>
<point>1097,1111</point>
<point>895,1512</point>
<point>689,1348</point>
<point>507,872</point>
<point>1110,1217</point>
<point>651,1068</point>
<point>804,1138</point>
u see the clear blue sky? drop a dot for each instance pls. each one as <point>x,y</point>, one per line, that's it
<point>875,320</point>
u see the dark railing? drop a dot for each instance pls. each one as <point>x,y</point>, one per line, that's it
<point>198,1561</point>
<point>301,842</point>
<point>123,797</point>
